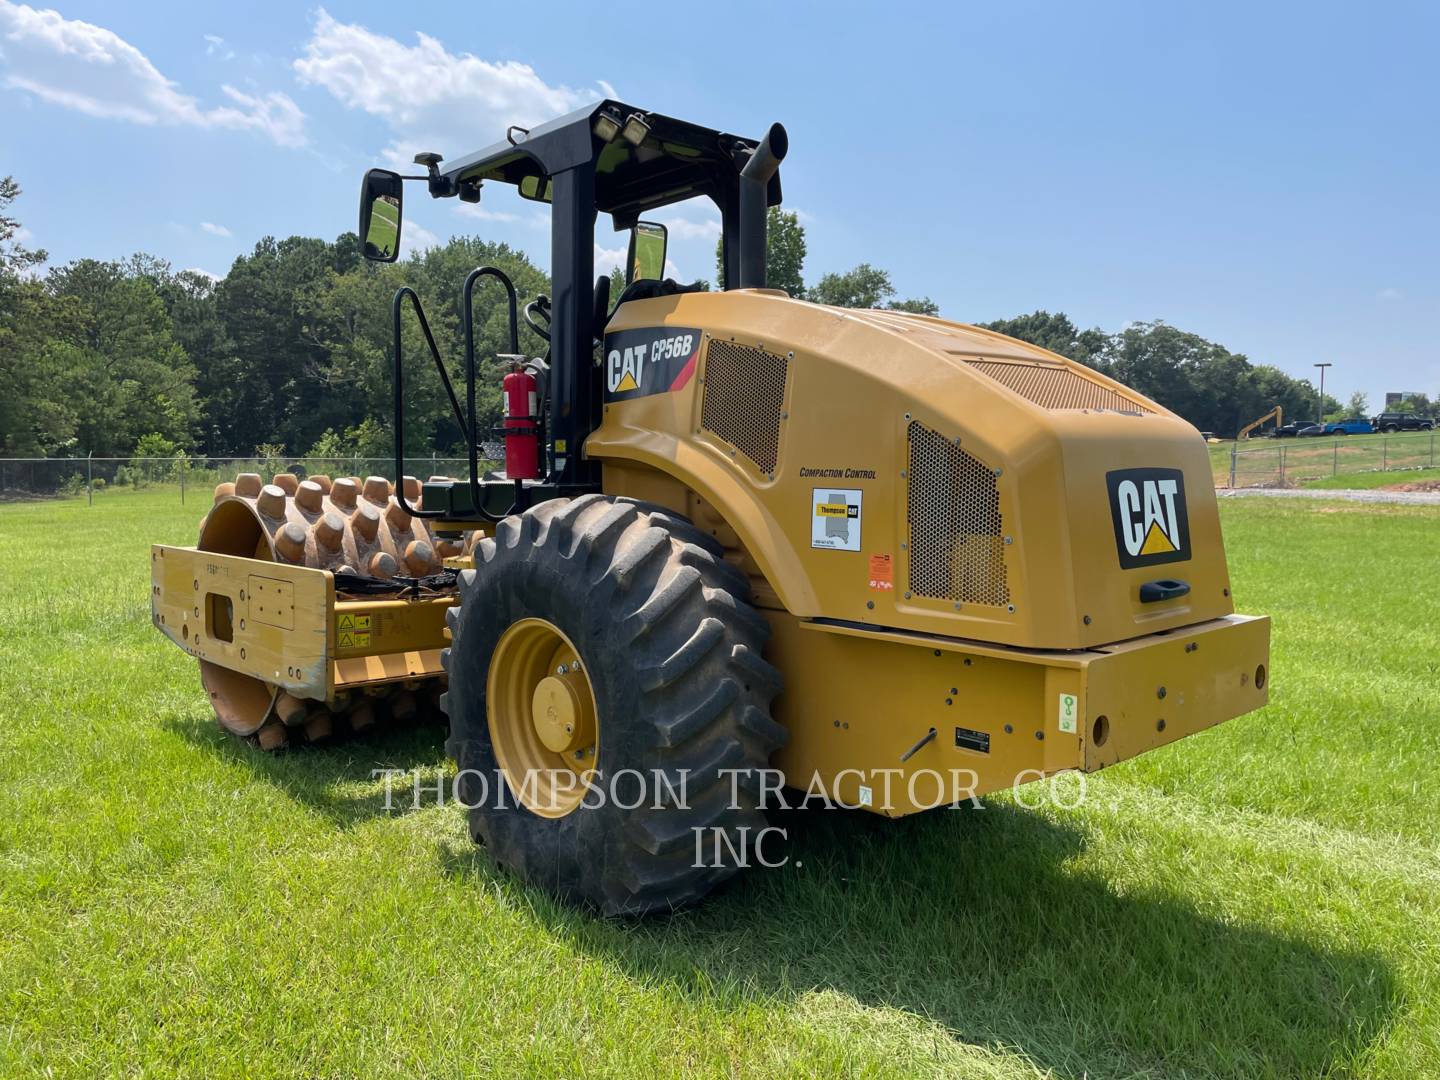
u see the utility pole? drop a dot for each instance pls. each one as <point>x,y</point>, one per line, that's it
<point>1320,411</point>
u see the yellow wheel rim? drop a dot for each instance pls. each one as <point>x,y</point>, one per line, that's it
<point>543,722</point>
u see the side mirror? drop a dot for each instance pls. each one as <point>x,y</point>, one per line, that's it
<point>646,258</point>
<point>381,199</point>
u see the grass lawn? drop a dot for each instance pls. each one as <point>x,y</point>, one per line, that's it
<point>1258,900</point>
<point>1368,480</point>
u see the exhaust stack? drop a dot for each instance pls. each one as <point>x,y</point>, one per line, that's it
<point>754,183</point>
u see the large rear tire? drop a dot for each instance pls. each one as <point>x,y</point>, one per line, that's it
<point>650,660</point>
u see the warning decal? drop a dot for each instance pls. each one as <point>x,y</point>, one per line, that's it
<point>352,631</point>
<point>882,575</point>
<point>835,518</point>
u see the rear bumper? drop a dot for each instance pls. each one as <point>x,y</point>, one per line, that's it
<point>858,700</point>
<point>1151,691</point>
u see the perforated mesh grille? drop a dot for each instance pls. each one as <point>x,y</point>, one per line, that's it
<point>744,393</point>
<point>957,543</point>
<point>1055,387</point>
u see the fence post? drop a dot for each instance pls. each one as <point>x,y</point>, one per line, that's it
<point>1282,464</point>
<point>1385,454</point>
<point>89,479</point>
<point>182,481</point>
<point>1234,449</point>
<point>1335,459</point>
<point>1432,448</point>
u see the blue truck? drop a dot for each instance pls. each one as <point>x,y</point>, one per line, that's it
<point>1349,427</point>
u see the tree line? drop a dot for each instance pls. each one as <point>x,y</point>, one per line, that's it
<point>289,352</point>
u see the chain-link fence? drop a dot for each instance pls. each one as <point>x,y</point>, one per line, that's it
<point>1292,462</point>
<point>1257,463</point>
<point>187,477</point>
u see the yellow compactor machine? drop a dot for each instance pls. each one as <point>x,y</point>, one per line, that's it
<point>739,539</point>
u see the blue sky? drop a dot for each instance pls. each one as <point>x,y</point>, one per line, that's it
<point>1265,175</point>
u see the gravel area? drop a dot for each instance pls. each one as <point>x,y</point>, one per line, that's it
<point>1411,498</point>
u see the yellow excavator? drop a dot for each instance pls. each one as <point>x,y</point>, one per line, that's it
<point>1277,414</point>
<point>740,540</point>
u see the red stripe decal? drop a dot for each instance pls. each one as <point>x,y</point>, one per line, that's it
<point>686,373</point>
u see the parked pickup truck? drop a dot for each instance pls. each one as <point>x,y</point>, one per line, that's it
<point>1399,421</point>
<point>1348,427</point>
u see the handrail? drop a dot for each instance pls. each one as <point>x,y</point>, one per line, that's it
<point>468,418</point>
<point>467,317</point>
<point>396,308</point>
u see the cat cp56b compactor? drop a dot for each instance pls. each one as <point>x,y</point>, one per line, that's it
<point>890,558</point>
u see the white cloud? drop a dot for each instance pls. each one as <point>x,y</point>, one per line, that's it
<point>1389,294</point>
<point>686,229</point>
<point>77,65</point>
<point>202,272</point>
<point>215,46</point>
<point>475,210</point>
<point>215,230</point>
<point>415,237</point>
<point>430,98</point>
<point>607,259</point>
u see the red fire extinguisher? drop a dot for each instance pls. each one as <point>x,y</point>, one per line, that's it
<point>522,438</point>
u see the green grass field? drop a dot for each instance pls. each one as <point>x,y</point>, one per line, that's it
<point>1372,480</point>
<point>384,226</point>
<point>1258,900</point>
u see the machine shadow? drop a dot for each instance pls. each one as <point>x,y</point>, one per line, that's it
<point>336,780</point>
<point>972,921</point>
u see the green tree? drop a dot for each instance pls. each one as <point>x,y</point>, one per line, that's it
<point>1204,382</point>
<point>919,306</point>
<point>866,286</point>
<point>13,257</point>
<point>1054,332</point>
<point>122,365</point>
<point>30,423</point>
<point>346,316</point>
<point>265,386</point>
<point>1359,406</point>
<point>784,253</point>
<point>39,406</point>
